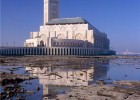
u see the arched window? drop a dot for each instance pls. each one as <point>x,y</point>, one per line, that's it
<point>54,44</point>
<point>79,36</point>
<point>57,43</point>
<point>61,36</point>
<point>42,43</point>
<point>61,44</point>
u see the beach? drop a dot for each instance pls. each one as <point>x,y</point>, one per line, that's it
<point>70,77</point>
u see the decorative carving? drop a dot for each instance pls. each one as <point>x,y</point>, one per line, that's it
<point>45,1</point>
<point>50,10</point>
<point>53,1</point>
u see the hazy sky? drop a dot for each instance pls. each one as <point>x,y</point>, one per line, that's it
<point>120,19</point>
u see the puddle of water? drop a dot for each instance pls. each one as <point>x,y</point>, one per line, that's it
<point>13,69</point>
<point>59,80</point>
<point>124,69</point>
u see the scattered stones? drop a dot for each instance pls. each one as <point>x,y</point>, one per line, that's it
<point>10,83</point>
<point>7,78</point>
<point>102,92</point>
<point>128,83</point>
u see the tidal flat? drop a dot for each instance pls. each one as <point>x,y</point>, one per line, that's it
<point>70,77</point>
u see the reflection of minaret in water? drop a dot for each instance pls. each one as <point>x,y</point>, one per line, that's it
<point>64,77</point>
<point>45,92</point>
<point>100,70</point>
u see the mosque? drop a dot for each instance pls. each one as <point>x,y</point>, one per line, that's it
<point>64,36</point>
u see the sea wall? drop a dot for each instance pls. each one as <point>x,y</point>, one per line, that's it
<point>54,51</point>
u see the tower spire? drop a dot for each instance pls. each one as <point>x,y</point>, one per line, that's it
<point>51,10</point>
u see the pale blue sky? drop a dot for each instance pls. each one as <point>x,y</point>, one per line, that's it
<point>120,19</point>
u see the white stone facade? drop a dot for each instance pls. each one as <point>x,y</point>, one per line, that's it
<point>90,37</point>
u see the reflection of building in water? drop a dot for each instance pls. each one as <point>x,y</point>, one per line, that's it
<point>56,79</point>
<point>63,76</point>
<point>100,70</point>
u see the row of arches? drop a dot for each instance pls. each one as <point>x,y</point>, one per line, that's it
<point>47,51</point>
<point>78,36</point>
<point>67,44</point>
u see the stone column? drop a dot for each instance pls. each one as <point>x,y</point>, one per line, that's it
<point>50,51</point>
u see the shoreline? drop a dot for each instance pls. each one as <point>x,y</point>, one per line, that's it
<point>37,60</point>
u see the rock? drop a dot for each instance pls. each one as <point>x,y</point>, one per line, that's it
<point>2,61</point>
<point>48,95</point>
<point>30,92</point>
<point>70,96</point>
<point>8,96</point>
<point>101,82</point>
<point>37,88</point>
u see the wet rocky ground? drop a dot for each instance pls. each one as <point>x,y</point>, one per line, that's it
<point>119,90</point>
<point>11,82</point>
<point>11,85</point>
<point>56,60</point>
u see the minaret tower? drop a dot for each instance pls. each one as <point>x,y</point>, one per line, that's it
<point>51,10</point>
